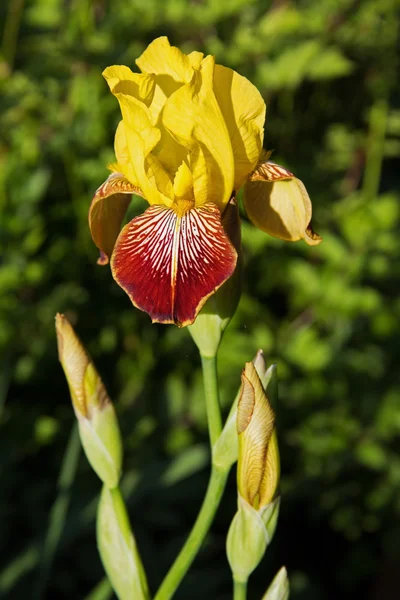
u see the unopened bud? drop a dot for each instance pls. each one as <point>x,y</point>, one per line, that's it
<point>258,469</point>
<point>279,588</point>
<point>260,364</point>
<point>249,534</point>
<point>258,462</point>
<point>246,542</point>
<point>118,549</point>
<point>98,425</point>
<point>225,451</point>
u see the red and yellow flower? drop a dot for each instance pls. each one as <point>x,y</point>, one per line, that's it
<point>190,137</point>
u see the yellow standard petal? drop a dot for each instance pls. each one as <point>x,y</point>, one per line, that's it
<point>193,117</point>
<point>141,139</point>
<point>258,462</point>
<point>172,69</point>
<point>121,79</point>
<point>278,203</point>
<point>243,109</point>
<point>160,58</point>
<point>124,163</point>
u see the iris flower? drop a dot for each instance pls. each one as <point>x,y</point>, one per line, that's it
<point>190,137</point>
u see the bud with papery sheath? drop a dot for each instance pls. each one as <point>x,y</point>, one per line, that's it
<point>225,451</point>
<point>258,462</point>
<point>117,547</point>
<point>98,425</point>
<point>257,478</point>
<point>279,588</point>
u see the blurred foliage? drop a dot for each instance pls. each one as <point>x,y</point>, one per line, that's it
<point>327,315</point>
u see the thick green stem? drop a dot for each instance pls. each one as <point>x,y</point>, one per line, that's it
<point>210,378</point>
<point>204,519</point>
<point>214,492</point>
<point>239,590</point>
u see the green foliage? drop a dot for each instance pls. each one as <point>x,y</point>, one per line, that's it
<point>327,315</point>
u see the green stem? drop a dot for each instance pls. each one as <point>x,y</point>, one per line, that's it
<point>204,519</point>
<point>210,378</point>
<point>214,492</point>
<point>239,590</point>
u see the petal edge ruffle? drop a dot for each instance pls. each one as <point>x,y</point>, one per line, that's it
<point>107,211</point>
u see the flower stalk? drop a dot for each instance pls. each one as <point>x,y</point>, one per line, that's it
<point>254,524</point>
<point>101,440</point>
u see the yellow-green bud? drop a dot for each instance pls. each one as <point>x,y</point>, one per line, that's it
<point>225,451</point>
<point>246,542</point>
<point>118,549</point>
<point>98,425</point>
<point>258,469</point>
<point>214,317</point>
<point>248,537</point>
<point>279,588</point>
<point>258,461</point>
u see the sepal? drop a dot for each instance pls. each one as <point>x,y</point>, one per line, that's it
<point>279,588</point>
<point>117,547</point>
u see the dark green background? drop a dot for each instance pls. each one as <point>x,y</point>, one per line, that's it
<point>327,315</point>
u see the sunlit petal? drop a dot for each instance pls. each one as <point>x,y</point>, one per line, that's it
<point>161,58</point>
<point>243,109</point>
<point>122,155</point>
<point>107,211</point>
<point>278,203</point>
<point>141,138</point>
<point>169,264</point>
<point>194,119</point>
<point>183,182</point>
<point>122,80</point>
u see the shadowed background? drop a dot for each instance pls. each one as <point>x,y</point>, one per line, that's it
<point>328,316</point>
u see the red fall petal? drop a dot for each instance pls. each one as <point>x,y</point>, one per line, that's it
<point>107,211</point>
<point>169,264</point>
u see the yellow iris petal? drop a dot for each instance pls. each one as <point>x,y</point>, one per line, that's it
<point>124,164</point>
<point>171,68</point>
<point>243,109</point>
<point>122,80</point>
<point>183,182</point>
<point>195,58</point>
<point>281,208</point>
<point>193,117</point>
<point>161,58</point>
<point>141,139</point>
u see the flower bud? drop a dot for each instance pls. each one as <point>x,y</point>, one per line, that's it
<point>258,461</point>
<point>225,451</point>
<point>118,549</point>
<point>214,317</point>
<point>98,425</point>
<point>248,537</point>
<point>254,524</point>
<point>260,364</point>
<point>279,588</point>
<point>246,542</point>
